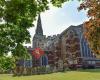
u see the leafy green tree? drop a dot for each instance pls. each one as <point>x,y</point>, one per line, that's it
<point>16,16</point>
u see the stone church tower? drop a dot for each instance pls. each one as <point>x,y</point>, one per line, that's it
<point>39,38</point>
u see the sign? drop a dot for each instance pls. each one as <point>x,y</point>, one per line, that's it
<point>37,53</point>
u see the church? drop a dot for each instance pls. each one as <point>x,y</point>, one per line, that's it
<point>67,48</point>
<point>41,41</point>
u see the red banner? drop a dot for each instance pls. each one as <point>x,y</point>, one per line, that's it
<point>37,52</point>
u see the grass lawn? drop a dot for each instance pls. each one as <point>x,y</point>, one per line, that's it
<point>68,75</point>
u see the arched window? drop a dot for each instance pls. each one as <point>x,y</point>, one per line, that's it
<point>44,60</point>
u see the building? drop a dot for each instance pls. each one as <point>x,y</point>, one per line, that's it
<point>69,47</point>
<point>74,47</point>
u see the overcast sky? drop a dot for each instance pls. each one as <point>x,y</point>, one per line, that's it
<point>55,20</point>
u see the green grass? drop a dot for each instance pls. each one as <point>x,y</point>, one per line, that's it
<point>68,75</point>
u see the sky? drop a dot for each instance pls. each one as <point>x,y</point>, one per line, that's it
<point>56,20</point>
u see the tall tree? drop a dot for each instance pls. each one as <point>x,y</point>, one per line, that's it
<point>92,27</point>
<point>16,16</point>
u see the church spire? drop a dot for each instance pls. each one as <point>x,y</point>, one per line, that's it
<point>39,30</point>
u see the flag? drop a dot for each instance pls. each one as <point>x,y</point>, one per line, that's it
<point>37,53</point>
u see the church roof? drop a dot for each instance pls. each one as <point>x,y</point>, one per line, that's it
<point>71,27</point>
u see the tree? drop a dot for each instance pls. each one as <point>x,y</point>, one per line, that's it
<point>16,16</point>
<point>92,27</point>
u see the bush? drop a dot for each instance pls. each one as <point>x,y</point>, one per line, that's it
<point>6,64</point>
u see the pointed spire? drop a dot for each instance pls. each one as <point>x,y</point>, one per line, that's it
<point>39,30</point>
